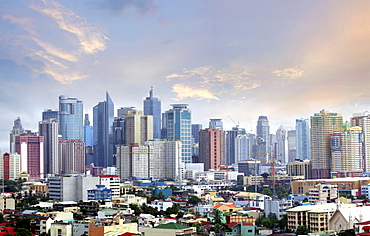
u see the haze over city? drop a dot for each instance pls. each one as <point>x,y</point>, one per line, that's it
<point>282,59</point>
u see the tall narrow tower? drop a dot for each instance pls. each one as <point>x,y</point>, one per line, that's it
<point>179,128</point>
<point>70,118</point>
<point>16,131</point>
<point>152,106</point>
<point>322,125</point>
<point>49,129</point>
<point>103,116</point>
<point>302,127</point>
<point>363,120</point>
<point>263,136</point>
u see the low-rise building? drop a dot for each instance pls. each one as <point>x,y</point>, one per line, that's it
<point>61,228</point>
<point>322,193</point>
<point>170,229</point>
<point>100,193</point>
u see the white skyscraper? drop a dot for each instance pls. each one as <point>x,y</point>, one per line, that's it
<point>363,120</point>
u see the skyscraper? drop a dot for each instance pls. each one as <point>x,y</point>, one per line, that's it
<point>230,138</point>
<point>179,128</point>
<point>322,125</point>
<point>31,149</point>
<point>363,120</point>
<point>88,140</point>
<point>16,131</point>
<point>138,127</point>
<point>216,124</point>
<point>10,166</point>
<point>70,118</point>
<point>72,156</point>
<point>103,117</point>
<point>292,146</point>
<point>302,128</point>
<point>152,106</point>
<point>263,133</point>
<point>49,129</point>
<point>50,114</point>
<point>211,148</point>
<point>281,147</point>
<point>195,128</point>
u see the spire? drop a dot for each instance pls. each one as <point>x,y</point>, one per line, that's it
<point>86,121</point>
<point>151,92</point>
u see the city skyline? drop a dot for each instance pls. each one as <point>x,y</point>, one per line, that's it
<point>225,59</point>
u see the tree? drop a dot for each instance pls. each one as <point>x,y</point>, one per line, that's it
<point>302,230</point>
<point>268,223</point>
<point>180,214</point>
<point>363,196</point>
<point>347,232</point>
<point>23,232</point>
<point>194,200</point>
<point>135,208</point>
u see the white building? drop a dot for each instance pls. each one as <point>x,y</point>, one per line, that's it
<point>161,205</point>
<point>278,207</point>
<point>111,182</point>
<point>61,228</point>
<point>322,193</point>
<point>14,165</point>
<point>71,188</point>
<point>363,120</point>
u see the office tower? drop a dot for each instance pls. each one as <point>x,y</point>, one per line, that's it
<point>138,127</point>
<point>322,125</point>
<point>302,128</point>
<point>281,147</point>
<point>133,161</point>
<point>363,120</point>
<point>166,159</point>
<point>230,137</point>
<point>49,130</point>
<point>195,128</point>
<point>179,128</point>
<point>211,148</point>
<point>16,131</point>
<point>50,114</point>
<point>121,112</point>
<point>119,131</point>
<point>346,150</point>
<point>103,116</point>
<point>88,140</point>
<point>72,156</point>
<point>164,126</point>
<point>292,145</point>
<point>10,166</point>
<point>243,147</point>
<point>152,106</point>
<point>31,149</point>
<point>70,118</point>
<point>263,134</point>
<point>216,124</point>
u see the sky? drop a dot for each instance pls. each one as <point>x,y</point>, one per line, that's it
<point>234,60</point>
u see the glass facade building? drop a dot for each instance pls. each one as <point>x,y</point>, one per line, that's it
<point>179,128</point>
<point>302,127</point>
<point>152,106</point>
<point>70,118</point>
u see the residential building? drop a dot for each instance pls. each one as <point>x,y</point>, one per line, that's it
<point>7,203</point>
<point>170,229</point>
<point>152,106</point>
<point>263,134</point>
<point>71,188</point>
<point>195,128</point>
<point>70,118</point>
<point>292,145</point>
<point>281,146</point>
<point>363,120</point>
<point>111,182</point>
<point>10,165</point>
<point>31,150</point>
<point>179,128</point>
<point>346,150</point>
<point>103,116</point>
<point>100,193</point>
<point>230,137</point>
<point>277,207</point>
<point>81,228</point>
<point>323,193</point>
<point>244,147</point>
<point>302,127</point>
<point>138,127</point>
<point>133,161</point>
<point>211,148</point>
<point>61,228</point>
<point>322,125</point>
<point>72,156</point>
<point>242,228</point>
<point>216,124</point>
<point>49,129</point>
<point>161,205</point>
<point>299,168</point>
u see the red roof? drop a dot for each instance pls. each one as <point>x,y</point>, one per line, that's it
<point>127,234</point>
<point>108,176</point>
<point>366,227</point>
<point>247,224</point>
<point>364,234</point>
<point>228,205</point>
<point>6,230</point>
<point>232,224</point>
<point>363,223</point>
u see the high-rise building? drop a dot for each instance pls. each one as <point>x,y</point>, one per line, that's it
<point>10,166</point>
<point>322,125</point>
<point>302,128</point>
<point>70,118</point>
<point>49,129</point>
<point>230,137</point>
<point>31,149</point>
<point>16,131</point>
<point>281,147</point>
<point>72,156</point>
<point>244,147</point>
<point>195,128</point>
<point>179,128</point>
<point>88,140</point>
<point>300,168</point>
<point>50,114</point>
<point>121,112</point>
<point>263,133</point>
<point>133,161</point>
<point>152,106</point>
<point>292,145</point>
<point>138,127</point>
<point>211,148</point>
<point>346,150</point>
<point>363,120</point>
<point>103,116</point>
<point>216,124</point>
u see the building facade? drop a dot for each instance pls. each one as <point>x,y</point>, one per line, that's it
<point>152,106</point>
<point>302,127</point>
<point>10,165</point>
<point>49,130</point>
<point>363,120</point>
<point>31,150</point>
<point>70,118</point>
<point>71,156</point>
<point>138,127</point>
<point>211,148</point>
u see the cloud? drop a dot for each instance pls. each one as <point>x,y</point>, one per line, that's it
<point>89,39</point>
<point>288,73</point>
<point>188,92</point>
<point>119,6</point>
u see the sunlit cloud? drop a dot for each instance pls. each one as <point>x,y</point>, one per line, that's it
<point>288,73</point>
<point>183,92</point>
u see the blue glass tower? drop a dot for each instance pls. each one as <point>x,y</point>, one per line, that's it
<point>70,118</point>
<point>302,127</point>
<point>152,106</point>
<point>195,128</point>
<point>103,116</point>
<point>50,114</point>
<point>88,132</point>
<point>179,128</point>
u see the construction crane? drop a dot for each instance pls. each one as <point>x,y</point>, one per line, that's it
<point>236,124</point>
